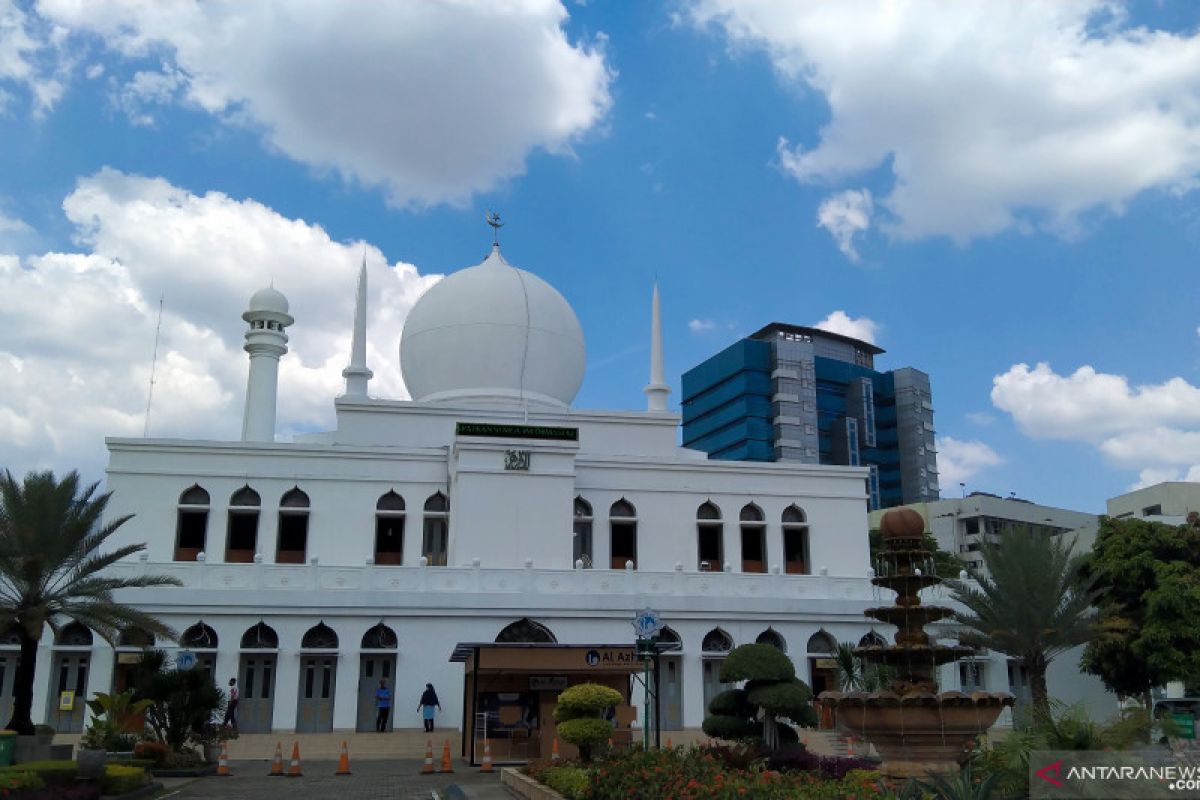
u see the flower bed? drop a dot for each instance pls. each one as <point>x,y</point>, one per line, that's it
<point>700,774</point>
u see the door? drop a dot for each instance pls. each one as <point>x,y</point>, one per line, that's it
<point>372,668</point>
<point>71,670</point>
<point>712,680</point>
<point>256,701</point>
<point>314,711</point>
<point>670,685</point>
<point>8,672</point>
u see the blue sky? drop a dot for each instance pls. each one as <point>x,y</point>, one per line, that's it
<point>999,194</point>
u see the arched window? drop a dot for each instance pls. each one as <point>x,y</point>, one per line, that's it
<point>242,541</point>
<point>795,542</point>
<point>73,635</point>
<point>435,542</point>
<point>821,643</point>
<point>380,637</point>
<point>293,527</point>
<point>581,547</point>
<point>319,637</point>
<point>710,535</point>
<point>668,640</point>
<point>622,529</point>
<point>716,641</point>
<point>260,637</point>
<point>198,637</point>
<point>872,639</point>
<point>771,636</point>
<point>191,526</point>
<point>526,630</point>
<point>389,529</point>
<point>754,538</point>
<point>135,638</point>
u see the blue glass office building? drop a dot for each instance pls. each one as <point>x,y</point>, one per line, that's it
<point>791,393</point>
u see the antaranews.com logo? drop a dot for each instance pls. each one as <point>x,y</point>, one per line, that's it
<point>1093,775</point>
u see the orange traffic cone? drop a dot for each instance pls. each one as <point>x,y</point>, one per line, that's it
<point>487,757</point>
<point>669,743</point>
<point>850,746</point>
<point>447,766</point>
<point>277,762</point>
<point>223,761</point>
<point>554,750</point>
<point>428,768</point>
<point>344,761</point>
<point>294,767</point>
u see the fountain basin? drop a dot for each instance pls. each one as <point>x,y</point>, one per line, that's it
<point>918,734</point>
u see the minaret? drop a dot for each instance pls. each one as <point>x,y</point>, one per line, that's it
<point>266,343</point>
<point>657,390</point>
<point>357,374</point>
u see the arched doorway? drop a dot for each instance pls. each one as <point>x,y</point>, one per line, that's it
<point>526,630</point>
<point>713,649</point>
<point>257,666</point>
<point>201,640</point>
<point>822,670</point>
<point>318,679</point>
<point>377,660</point>
<point>670,680</point>
<point>72,659</point>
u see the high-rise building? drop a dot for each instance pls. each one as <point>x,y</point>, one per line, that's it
<point>791,393</point>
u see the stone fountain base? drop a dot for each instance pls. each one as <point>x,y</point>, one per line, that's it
<point>918,735</point>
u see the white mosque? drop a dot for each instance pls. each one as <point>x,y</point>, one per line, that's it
<point>485,510</point>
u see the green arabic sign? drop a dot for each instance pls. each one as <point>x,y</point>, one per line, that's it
<point>517,431</point>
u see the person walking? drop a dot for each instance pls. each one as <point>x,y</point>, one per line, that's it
<point>427,705</point>
<point>230,720</point>
<point>383,705</point>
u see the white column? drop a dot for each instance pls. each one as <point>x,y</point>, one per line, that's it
<point>287,690</point>
<point>258,424</point>
<point>43,686</point>
<point>100,669</point>
<point>345,693</point>
<point>693,691</point>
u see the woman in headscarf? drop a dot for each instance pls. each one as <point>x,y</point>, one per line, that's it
<point>428,705</point>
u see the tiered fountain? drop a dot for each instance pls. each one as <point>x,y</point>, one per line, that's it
<point>916,730</point>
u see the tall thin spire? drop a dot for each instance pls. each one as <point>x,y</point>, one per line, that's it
<point>657,390</point>
<point>357,374</point>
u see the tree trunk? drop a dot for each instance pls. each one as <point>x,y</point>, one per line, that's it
<point>22,721</point>
<point>1037,686</point>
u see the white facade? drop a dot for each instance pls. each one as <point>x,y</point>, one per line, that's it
<point>1169,502</point>
<point>492,528</point>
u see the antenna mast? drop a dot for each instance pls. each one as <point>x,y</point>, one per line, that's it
<point>153,367</point>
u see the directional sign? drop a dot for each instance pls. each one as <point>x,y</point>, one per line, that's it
<point>647,623</point>
<point>185,659</point>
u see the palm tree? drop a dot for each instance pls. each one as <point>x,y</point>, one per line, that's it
<point>51,570</point>
<point>856,674</point>
<point>1031,603</point>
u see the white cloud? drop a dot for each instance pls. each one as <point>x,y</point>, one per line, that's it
<point>13,225</point>
<point>21,45</point>
<point>1153,428</point>
<point>701,325</point>
<point>863,328</point>
<point>844,215</point>
<point>147,88</point>
<point>431,101</point>
<point>959,461</point>
<point>76,357</point>
<point>981,418</point>
<point>989,115</point>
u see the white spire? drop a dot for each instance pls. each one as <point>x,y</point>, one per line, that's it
<point>357,374</point>
<point>657,390</point>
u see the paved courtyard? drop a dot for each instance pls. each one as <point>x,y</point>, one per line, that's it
<point>371,780</point>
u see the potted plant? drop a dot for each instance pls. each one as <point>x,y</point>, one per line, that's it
<point>92,755</point>
<point>212,737</point>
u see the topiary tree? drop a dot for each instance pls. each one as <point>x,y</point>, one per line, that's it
<point>771,692</point>
<point>580,716</point>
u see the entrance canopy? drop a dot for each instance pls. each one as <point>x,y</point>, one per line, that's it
<point>511,689</point>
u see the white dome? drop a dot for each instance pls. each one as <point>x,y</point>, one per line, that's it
<point>268,300</point>
<point>493,332</point>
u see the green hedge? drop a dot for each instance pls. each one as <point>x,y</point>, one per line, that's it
<point>570,782</point>
<point>119,779</point>
<point>53,773</point>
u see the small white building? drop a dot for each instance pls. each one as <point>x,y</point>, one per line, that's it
<point>485,509</point>
<point>1169,502</point>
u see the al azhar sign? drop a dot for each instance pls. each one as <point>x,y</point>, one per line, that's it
<point>647,623</point>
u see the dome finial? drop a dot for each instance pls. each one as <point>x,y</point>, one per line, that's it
<point>494,220</point>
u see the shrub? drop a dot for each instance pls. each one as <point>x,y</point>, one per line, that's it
<point>570,782</point>
<point>757,661</point>
<point>119,780</point>
<point>157,752</point>
<point>20,781</point>
<point>799,759</point>
<point>578,716</point>
<point>53,773</point>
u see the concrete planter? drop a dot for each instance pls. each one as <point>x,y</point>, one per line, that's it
<point>91,762</point>
<point>524,786</point>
